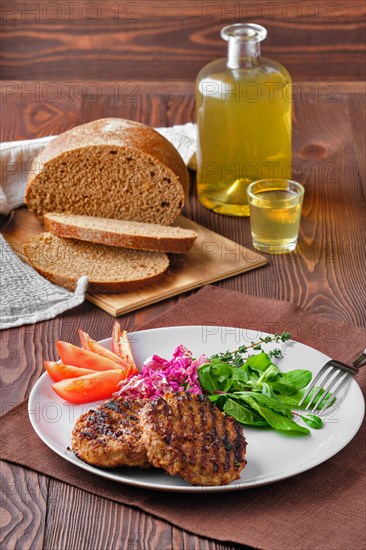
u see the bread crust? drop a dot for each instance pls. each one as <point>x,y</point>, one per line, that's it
<point>99,287</point>
<point>137,242</point>
<point>113,132</point>
<point>94,286</point>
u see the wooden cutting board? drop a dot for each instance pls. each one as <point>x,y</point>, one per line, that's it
<point>212,258</point>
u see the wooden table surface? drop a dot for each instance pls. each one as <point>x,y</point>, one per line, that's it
<point>173,39</point>
<point>325,276</point>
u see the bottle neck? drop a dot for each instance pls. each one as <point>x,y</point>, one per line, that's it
<point>243,53</point>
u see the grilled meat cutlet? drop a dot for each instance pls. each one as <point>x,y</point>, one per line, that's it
<point>110,436</point>
<point>186,435</point>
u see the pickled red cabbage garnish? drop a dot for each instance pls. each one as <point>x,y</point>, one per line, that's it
<point>160,376</point>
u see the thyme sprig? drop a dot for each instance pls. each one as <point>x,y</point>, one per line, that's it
<point>235,357</point>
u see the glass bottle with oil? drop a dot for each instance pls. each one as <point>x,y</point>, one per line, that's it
<point>244,106</point>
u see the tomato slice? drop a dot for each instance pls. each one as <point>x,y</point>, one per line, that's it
<point>116,336</point>
<point>59,371</point>
<point>92,387</point>
<point>77,357</point>
<point>121,345</point>
<point>88,343</point>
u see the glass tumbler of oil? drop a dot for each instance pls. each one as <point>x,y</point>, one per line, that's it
<point>243,106</point>
<point>275,211</point>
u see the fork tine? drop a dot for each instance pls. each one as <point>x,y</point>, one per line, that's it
<point>332,383</point>
<point>339,372</point>
<point>314,381</point>
<point>342,384</point>
<point>321,386</point>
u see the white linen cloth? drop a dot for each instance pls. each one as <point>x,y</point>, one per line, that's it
<point>26,297</point>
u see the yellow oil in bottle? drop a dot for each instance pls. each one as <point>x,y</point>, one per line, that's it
<point>244,107</point>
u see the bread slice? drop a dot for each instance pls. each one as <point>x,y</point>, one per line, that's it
<point>109,269</point>
<point>113,168</point>
<point>137,235</point>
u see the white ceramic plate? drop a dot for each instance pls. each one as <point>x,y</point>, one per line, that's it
<point>271,456</point>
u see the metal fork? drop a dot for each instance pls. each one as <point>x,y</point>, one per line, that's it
<point>336,376</point>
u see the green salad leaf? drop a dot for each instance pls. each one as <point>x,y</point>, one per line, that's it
<point>254,391</point>
<point>312,420</point>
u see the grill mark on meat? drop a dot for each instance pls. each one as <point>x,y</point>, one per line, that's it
<point>216,438</point>
<point>200,454</point>
<point>208,418</point>
<point>227,446</point>
<point>239,444</point>
<point>110,436</point>
<point>218,450</point>
<point>122,407</point>
<point>113,405</point>
<point>234,442</point>
<point>196,450</point>
<point>202,427</point>
<point>235,437</point>
<point>186,434</point>
<point>223,454</point>
<point>169,430</point>
<point>181,417</point>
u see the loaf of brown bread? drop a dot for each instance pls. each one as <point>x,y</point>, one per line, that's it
<point>109,269</point>
<point>112,168</point>
<point>126,234</point>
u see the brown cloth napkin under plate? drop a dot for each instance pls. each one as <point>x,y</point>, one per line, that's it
<point>321,508</point>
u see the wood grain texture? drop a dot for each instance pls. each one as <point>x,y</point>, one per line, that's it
<point>23,505</point>
<point>325,276</point>
<point>202,264</point>
<point>174,39</point>
<point>118,526</point>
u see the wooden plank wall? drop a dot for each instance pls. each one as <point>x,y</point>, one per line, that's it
<point>173,39</point>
